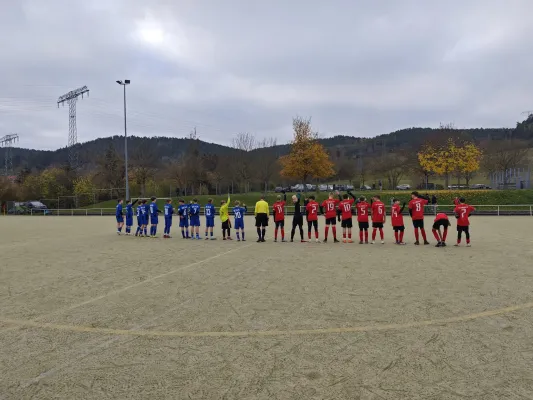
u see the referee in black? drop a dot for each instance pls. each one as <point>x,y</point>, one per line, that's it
<point>261,218</point>
<point>298,218</point>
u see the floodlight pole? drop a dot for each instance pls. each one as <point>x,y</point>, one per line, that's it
<point>124,83</point>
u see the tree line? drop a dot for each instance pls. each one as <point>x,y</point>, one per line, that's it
<point>252,164</point>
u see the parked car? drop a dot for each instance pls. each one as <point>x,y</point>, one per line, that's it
<point>340,187</point>
<point>365,187</point>
<point>310,187</point>
<point>457,187</point>
<point>281,189</point>
<point>349,187</point>
<point>18,209</point>
<point>36,207</point>
<point>480,186</point>
<point>404,186</point>
<point>323,188</point>
<point>278,189</point>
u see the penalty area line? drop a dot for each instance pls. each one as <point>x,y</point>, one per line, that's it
<point>320,331</point>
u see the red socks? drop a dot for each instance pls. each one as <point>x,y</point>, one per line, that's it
<point>374,234</point>
<point>381,234</point>
<point>396,236</point>
<point>334,230</point>
<point>276,234</point>
<point>349,235</point>
<point>361,236</point>
<point>436,234</point>
<point>326,230</point>
<point>316,234</point>
<point>401,236</point>
<point>366,236</point>
<point>416,234</point>
<point>423,234</point>
<point>282,234</point>
<point>444,234</point>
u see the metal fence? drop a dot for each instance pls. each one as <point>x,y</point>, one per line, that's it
<point>514,209</point>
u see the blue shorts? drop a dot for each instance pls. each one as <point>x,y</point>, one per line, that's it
<point>209,222</point>
<point>168,221</point>
<point>184,222</point>
<point>129,221</point>
<point>154,220</point>
<point>120,218</point>
<point>239,224</point>
<point>195,220</point>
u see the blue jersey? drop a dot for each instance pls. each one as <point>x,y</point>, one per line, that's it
<point>239,213</point>
<point>129,211</point>
<point>209,211</point>
<point>183,210</point>
<point>194,210</point>
<point>139,210</point>
<point>153,210</point>
<point>169,210</point>
<point>118,210</point>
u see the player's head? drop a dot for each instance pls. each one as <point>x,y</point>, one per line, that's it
<point>169,201</point>
<point>237,203</point>
<point>396,201</point>
<point>414,195</point>
<point>377,197</point>
<point>209,201</point>
<point>153,198</point>
<point>294,198</point>
<point>181,201</point>
<point>195,201</point>
<point>345,196</point>
<point>128,201</point>
<point>222,201</point>
<point>278,197</point>
<point>119,201</point>
<point>362,198</point>
<point>462,200</point>
<point>330,195</point>
<point>263,197</point>
<point>312,197</point>
<point>144,201</point>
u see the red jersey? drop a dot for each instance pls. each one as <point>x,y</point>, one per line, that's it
<point>417,208</point>
<point>440,217</point>
<point>396,215</point>
<point>346,208</point>
<point>378,212</point>
<point>312,210</point>
<point>362,211</point>
<point>463,211</point>
<point>279,210</point>
<point>330,207</point>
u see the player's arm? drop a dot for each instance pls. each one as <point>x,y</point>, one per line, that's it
<point>352,196</point>
<point>245,208</point>
<point>132,204</point>
<point>284,196</point>
<point>403,208</point>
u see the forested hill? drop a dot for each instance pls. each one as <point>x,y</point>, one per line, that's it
<point>165,148</point>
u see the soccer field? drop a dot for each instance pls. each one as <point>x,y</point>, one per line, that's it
<point>87,314</point>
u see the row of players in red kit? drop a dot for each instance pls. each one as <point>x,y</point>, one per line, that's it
<point>341,209</point>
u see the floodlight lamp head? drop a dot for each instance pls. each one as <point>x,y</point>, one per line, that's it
<point>119,82</point>
<point>127,82</point>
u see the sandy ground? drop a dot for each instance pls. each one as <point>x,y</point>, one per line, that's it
<point>86,314</point>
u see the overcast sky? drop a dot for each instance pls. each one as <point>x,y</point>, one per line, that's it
<point>356,67</point>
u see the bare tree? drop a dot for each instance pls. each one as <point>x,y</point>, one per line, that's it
<point>144,166</point>
<point>392,166</point>
<point>266,158</point>
<point>505,155</point>
<point>244,143</point>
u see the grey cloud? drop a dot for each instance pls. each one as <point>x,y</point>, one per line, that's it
<point>356,67</point>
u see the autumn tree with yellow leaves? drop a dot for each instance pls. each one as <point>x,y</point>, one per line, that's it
<point>307,158</point>
<point>451,159</point>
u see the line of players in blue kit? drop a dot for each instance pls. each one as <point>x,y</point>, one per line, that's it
<point>188,214</point>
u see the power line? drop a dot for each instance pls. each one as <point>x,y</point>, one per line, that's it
<point>71,98</point>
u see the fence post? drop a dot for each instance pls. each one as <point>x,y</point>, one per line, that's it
<point>71,212</point>
<point>498,210</point>
<point>101,212</point>
<point>86,212</point>
<point>31,212</point>
<point>531,211</point>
